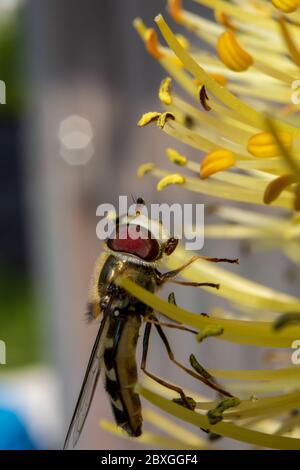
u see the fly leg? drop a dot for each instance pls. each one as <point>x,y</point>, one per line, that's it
<point>172,300</point>
<point>176,325</point>
<point>202,379</point>
<point>162,382</point>
<point>196,284</point>
<point>154,321</point>
<point>169,276</point>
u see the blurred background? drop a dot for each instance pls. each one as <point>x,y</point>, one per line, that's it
<point>77,79</point>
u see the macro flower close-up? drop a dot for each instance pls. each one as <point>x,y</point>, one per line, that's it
<point>150,262</point>
<point>230,95</point>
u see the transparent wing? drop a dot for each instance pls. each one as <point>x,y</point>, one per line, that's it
<point>88,387</point>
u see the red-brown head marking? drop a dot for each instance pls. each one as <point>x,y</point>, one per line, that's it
<point>135,240</point>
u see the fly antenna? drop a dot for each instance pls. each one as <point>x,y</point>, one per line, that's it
<point>133,198</point>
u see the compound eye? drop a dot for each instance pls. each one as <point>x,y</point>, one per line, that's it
<point>136,240</point>
<point>171,246</point>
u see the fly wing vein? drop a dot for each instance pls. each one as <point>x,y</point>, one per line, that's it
<point>88,387</point>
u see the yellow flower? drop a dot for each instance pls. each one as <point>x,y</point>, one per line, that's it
<point>246,150</point>
<point>243,129</point>
<point>218,160</point>
<point>263,145</point>
<point>232,54</point>
<point>176,178</point>
<point>164,92</point>
<point>287,6</point>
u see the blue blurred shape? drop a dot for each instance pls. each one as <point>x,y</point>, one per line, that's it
<point>13,432</point>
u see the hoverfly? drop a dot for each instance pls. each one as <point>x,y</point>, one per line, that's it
<point>114,350</point>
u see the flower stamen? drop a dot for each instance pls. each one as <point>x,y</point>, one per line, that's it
<point>164,92</point>
<point>263,144</point>
<point>152,44</point>
<point>215,415</point>
<point>147,118</point>
<point>209,332</point>
<point>232,54</point>
<point>224,19</point>
<point>216,161</point>
<point>287,6</point>
<point>275,188</point>
<point>144,168</point>
<point>204,98</point>
<point>168,180</point>
<point>289,41</point>
<point>176,157</point>
<point>163,118</point>
<point>174,8</point>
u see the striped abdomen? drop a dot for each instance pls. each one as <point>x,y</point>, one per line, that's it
<point>121,371</point>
